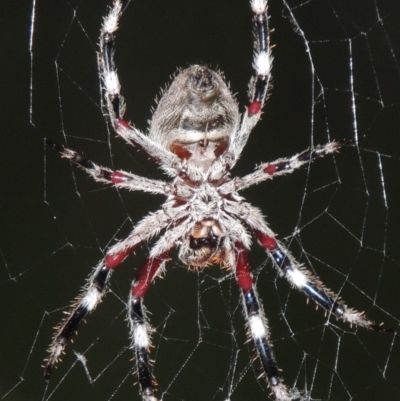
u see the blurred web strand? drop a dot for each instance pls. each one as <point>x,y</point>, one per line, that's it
<point>32,27</point>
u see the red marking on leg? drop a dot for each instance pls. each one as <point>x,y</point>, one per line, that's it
<point>119,123</point>
<point>270,169</point>
<point>146,275</point>
<point>243,273</point>
<point>113,260</point>
<point>117,177</point>
<point>254,108</point>
<point>265,240</point>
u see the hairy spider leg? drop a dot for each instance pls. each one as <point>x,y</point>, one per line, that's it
<point>262,62</point>
<point>140,331</point>
<point>120,179</point>
<point>259,82</point>
<point>267,171</point>
<point>115,102</point>
<point>93,292</point>
<point>258,326</point>
<point>311,286</point>
<point>86,303</point>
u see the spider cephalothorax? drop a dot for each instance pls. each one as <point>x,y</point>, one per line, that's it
<point>196,136</point>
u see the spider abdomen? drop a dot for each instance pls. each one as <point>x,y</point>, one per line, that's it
<point>196,116</point>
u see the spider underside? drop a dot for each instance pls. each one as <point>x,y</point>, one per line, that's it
<point>196,136</point>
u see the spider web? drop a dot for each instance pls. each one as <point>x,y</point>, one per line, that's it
<point>336,75</point>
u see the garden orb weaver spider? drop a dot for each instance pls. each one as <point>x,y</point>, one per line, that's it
<point>196,136</point>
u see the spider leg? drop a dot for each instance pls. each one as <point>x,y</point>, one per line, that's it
<point>262,61</point>
<point>259,83</point>
<point>140,329</point>
<point>120,179</point>
<point>283,166</point>
<point>296,274</point>
<point>258,326</point>
<point>93,292</point>
<point>310,285</point>
<point>115,102</point>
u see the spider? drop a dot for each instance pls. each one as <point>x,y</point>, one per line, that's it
<point>196,136</point>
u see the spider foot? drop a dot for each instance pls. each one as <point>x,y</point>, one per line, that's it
<point>55,351</point>
<point>69,325</point>
<point>356,318</point>
<point>76,157</point>
<point>149,398</point>
<point>148,395</point>
<point>282,393</point>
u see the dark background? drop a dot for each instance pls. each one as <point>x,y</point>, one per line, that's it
<point>340,217</point>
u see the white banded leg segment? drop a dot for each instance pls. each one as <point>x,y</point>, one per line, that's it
<point>110,23</point>
<point>259,82</point>
<point>257,327</point>
<point>86,303</point>
<point>115,102</point>
<point>259,6</point>
<point>262,62</point>
<point>140,336</point>
<point>120,179</point>
<point>91,299</point>
<point>108,71</point>
<point>284,166</point>
<point>140,330</point>
<point>304,281</point>
<point>141,342</point>
<point>96,287</point>
<point>259,332</point>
